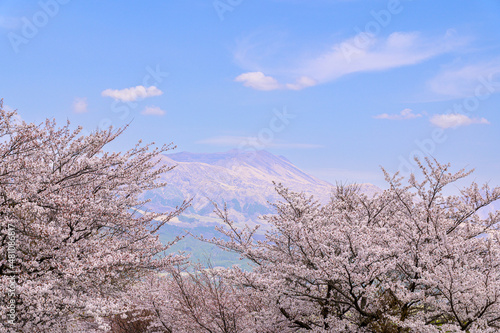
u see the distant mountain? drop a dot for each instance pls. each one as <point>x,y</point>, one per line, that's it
<point>241,179</point>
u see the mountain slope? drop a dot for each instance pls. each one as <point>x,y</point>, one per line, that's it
<point>241,179</point>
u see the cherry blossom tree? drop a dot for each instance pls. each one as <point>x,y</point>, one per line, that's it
<point>195,299</point>
<point>409,259</point>
<point>71,238</point>
<point>80,251</point>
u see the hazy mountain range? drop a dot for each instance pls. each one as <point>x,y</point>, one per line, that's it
<point>241,179</point>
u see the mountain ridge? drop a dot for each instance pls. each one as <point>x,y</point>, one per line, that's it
<point>241,179</point>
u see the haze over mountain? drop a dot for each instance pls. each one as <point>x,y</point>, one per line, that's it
<point>242,179</point>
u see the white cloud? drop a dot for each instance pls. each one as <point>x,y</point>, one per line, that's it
<point>80,105</point>
<point>259,81</point>
<point>362,53</point>
<point>365,53</point>
<point>132,94</point>
<point>152,111</point>
<point>301,83</point>
<point>245,141</point>
<point>404,114</point>
<point>453,120</point>
<point>478,79</point>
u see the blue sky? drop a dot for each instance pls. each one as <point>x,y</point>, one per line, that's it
<point>338,87</point>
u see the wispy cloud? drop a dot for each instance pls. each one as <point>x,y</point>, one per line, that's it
<point>404,114</point>
<point>238,141</point>
<point>477,79</point>
<point>152,111</point>
<point>351,56</point>
<point>80,105</point>
<point>453,120</point>
<point>132,94</point>
<point>397,50</point>
<point>301,83</point>
<point>260,81</point>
